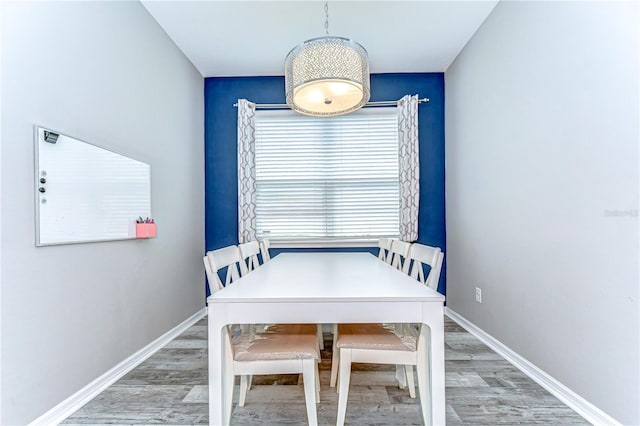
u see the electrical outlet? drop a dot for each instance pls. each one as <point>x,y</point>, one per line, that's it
<point>478,295</point>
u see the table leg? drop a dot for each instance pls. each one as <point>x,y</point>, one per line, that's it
<point>433,317</point>
<point>217,366</point>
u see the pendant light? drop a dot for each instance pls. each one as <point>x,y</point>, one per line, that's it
<point>327,76</point>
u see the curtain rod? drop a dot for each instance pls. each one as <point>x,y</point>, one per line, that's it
<point>368,104</point>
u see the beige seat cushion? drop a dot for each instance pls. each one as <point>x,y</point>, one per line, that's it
<point>280,341</point>
<point>375,336</point>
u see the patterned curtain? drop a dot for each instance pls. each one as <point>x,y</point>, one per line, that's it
<point>246,172</point>
<point>409,167</point>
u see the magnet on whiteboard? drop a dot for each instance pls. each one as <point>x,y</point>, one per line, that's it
<point>50,136</point>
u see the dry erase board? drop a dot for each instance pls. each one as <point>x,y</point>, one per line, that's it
<point>85,193</point>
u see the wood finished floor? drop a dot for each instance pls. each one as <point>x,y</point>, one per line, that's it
<point>481,389</point>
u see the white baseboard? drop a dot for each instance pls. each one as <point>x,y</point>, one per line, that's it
<point>587,410</point>
<point>70,405</point>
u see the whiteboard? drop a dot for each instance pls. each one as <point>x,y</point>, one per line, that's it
<point>85,193</point>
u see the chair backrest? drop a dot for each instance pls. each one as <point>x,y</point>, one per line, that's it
<point>228,257</point>
<point>385,249</point>
<point>212,277</point>
<point>400,252</point>
<point>434,275</point>
<point>264,250</point>
<point>422,255</point>
<point>249,255</point>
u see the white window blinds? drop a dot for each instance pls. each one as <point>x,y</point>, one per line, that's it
<point>327,179</point>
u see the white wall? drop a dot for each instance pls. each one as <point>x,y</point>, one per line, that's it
<point>103,72</point>
<point>542,191</point>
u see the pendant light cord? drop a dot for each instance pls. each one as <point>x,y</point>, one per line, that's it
<point>326,17</point>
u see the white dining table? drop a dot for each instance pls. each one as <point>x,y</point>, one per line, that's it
<point>326,288</point>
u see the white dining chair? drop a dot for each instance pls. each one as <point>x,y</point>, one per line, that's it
<point>286,349</point>
<point>265,245</point>
<point>384,244</point>
<point>398,257</point>
<point>249,254</point>
<point>377,344</point>
<point>422,255</point>
<point>228,257</point>
<point>280,349</point>
<point>399,253</point>
<point>385,344</point>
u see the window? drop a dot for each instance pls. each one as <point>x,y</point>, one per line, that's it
<point>327,180</point>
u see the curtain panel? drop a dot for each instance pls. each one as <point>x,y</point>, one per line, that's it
<point>246,172</point>
<point>409,167</point>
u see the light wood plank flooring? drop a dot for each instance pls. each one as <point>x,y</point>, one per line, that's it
<point>481,389</point>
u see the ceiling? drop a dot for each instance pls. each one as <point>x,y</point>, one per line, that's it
<point>252,38</point>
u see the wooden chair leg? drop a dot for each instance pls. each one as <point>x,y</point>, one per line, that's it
<point>401,376</point>
<point>410,382</point>
<point>309,372</point>
<point>320,336</point>
<point>244,387</point>
<point>317,383</point>
<point>345,376</point>
<point>335,359</point>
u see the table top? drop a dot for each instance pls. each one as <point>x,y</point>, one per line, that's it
<point>325,277</point>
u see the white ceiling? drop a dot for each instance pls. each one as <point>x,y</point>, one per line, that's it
<point>252,38</point>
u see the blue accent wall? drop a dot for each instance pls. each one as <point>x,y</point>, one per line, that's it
<point>221,185</point>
